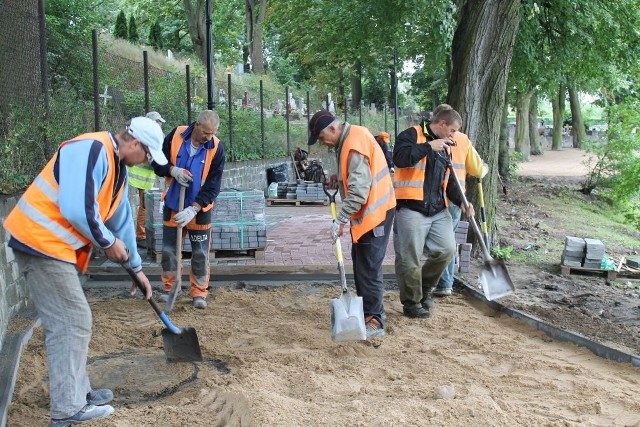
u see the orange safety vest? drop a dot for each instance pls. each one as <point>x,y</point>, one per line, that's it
<point>381,197</point>
<point>409,182</point>
<point>465,159</point>
<point>176,143</point>
<point>37,222</point>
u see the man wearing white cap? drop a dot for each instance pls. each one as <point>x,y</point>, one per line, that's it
<point>142,177</point>
<point>78,201</point>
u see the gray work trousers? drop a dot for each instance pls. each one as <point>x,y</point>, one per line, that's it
<point>415,234</point>
<point>55,289</point>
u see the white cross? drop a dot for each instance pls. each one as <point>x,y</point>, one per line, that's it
<point>105,95</point>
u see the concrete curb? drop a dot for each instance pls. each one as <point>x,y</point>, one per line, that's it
<point>14,343</point>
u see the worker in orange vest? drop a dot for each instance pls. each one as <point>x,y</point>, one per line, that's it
<point>78,201</point>
<point>368,205</point>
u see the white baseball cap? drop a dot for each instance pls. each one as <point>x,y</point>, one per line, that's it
<point>155,116</point>
<point>148,132</point>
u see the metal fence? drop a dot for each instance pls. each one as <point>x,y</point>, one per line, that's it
<point>256,123</point>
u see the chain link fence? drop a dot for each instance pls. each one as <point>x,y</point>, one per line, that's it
<point>258,118</point>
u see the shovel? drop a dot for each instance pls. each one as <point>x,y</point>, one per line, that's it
<point>180,344</point>
<point>177,286</point>
<point>347,313</point>
<point>494,276</point>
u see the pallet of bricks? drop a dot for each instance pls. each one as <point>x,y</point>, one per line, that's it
<point>299,193</point>
<point>239,225</point>
<point>153,224</point>
<point>463,254</point>
<point>583,255</point>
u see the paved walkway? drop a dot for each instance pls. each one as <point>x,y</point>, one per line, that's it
<point>298,240</point>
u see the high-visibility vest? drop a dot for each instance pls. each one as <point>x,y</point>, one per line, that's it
<point>37,222</point>
<point>141,176</point>
<point>176,144</point>
<point>465,159</point>
<point>381,198</point>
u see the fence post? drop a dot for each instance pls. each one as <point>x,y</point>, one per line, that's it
<point>44,77</point>
<point>262,118</point>
<point>188,82</point>
<point>360,112</point>
<point>286,107</point>
<point>395,89</point>
<point>308,114</point>
<point>211,105</point>
<point>145,68</point>
<point>96,82</point>
<point>385,117</point>
<point>230,116</point>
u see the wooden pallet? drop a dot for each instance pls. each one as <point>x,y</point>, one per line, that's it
<point>295,202</point>
<point>221,254</point>
<point>230,254</point>
<point>566,270</point>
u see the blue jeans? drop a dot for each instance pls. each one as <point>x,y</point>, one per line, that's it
<point>446,280</point>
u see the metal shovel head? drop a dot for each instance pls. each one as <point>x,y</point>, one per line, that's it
<point>495,280</point>
<point>182,347</point>
<point>347,319</point>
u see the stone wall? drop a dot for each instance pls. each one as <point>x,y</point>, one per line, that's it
<point>247,175</point>
<point>13,288</point>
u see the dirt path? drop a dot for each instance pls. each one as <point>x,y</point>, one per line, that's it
<point>565,162</point>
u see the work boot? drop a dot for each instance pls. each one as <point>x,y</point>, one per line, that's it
<point>88,413</point>
<point>374,327</point>
<point>99,397</point>
<point>416,312</point>
<point>441,292</point>
<point>164,296</point>
<point>428,303</point>
<point>199,302</point>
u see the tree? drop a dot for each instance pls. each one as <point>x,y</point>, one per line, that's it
<point>255,11</point>
<point>481,56</point>
<point>155,35</point>
<point>133,31</point>
<point>120,30</point>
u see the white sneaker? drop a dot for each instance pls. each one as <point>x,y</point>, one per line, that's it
<point>88,413</point>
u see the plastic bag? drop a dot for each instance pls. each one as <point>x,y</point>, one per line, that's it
<point>273,190</point>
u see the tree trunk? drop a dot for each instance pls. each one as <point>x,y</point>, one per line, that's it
<point>255,12</point>
<point>534,135</point>
<point>197,27</point>
<point>503,149</point>
<point>522,124</point>
<point>481,55</point>
<point>579,132</point>
<point>356,87</point>
<point>557,104</point>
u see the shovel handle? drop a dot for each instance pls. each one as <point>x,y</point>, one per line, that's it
<point>337,245</point>
<point>485,252</point>
<point>177,286</point>
<point>163,316</point>
<point>483,216</point>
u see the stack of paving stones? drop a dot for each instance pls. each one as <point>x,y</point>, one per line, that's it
<point>464,249</point>
<point>238,221</point>
<point>291,191</point>
<point>573,252</point>
<point>153,222</point>
<point>464,258</point>
<point>310,191</point>
<point>594,254</point>
<point>282,190</point>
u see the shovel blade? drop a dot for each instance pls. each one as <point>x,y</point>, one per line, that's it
<point>347,319</point>
<point>182,347</point>
<point>495,280</point>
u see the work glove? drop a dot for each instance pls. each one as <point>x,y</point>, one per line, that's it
<point>336,230</point>
<point>185,216</point>
<point>182,176</point>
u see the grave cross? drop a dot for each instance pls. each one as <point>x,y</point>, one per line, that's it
<point>105,95</point>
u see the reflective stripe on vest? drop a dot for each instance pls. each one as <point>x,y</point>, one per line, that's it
<point>381,196</point>
<point>37,222</point>
<point>409,182</point>
<point>141,176</point>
